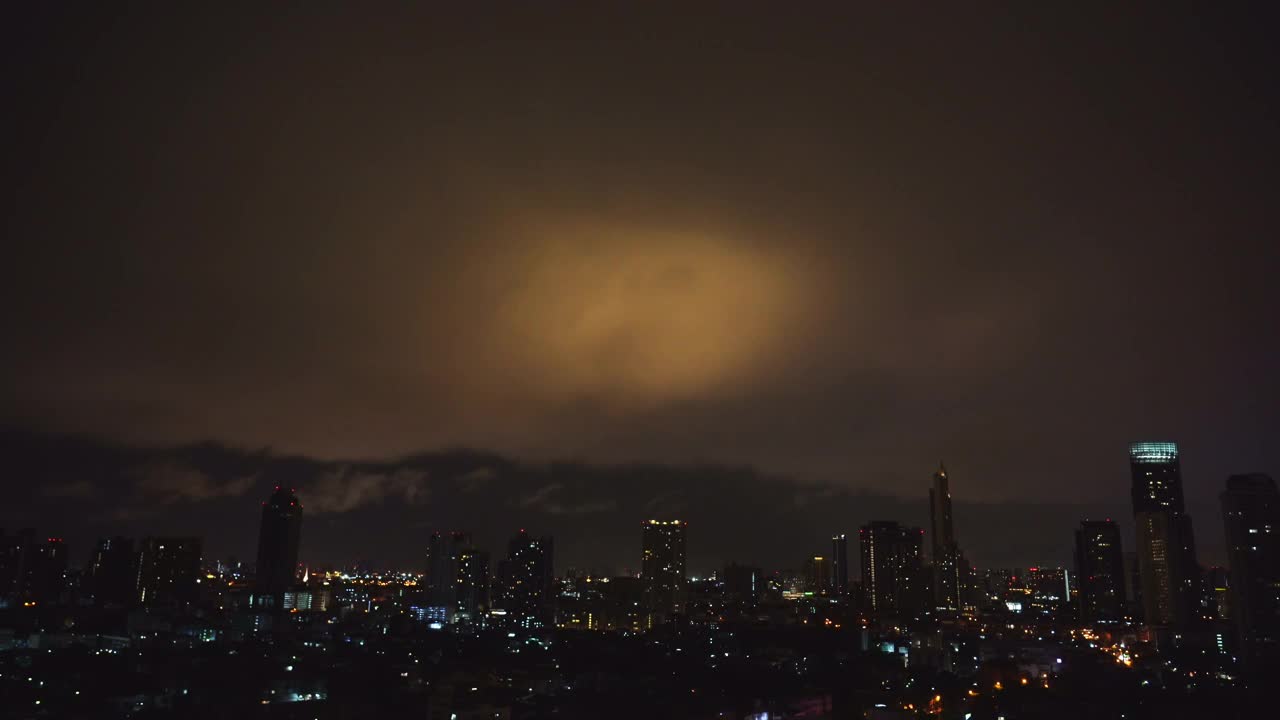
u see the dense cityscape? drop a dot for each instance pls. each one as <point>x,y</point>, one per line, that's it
<point>911,628</point>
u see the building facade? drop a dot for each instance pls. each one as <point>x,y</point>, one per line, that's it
<point>663,570</point>
<point>168,570</point>
<point>112,575</point>
<point>1100,571</point>
<point>893,582</point>
<point>472,601</point>
<point>840,565</point>
<point>1251,514</point>
<point>527,581</point>
<point>279,538</point>
<point>818,575</point>
<point>1169,575</point>
<point>443,552</point>
<point>949,565</point>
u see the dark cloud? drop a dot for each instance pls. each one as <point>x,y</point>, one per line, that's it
<point>167,482</point>
<point>549,499</point>
<point>76,489</point>
<point>382,512</point>
<point>346,488</point>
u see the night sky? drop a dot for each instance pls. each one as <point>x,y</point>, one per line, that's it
<point>761,266</point>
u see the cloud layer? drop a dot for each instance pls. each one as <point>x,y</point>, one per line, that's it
<point>382,513</point>
<point>346,488</point>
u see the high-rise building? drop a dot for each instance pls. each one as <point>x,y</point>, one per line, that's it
<point>45,571</point>
<point>279,537</point>
<point>743,584</point>
<point>1157,477</point>
<point>662,568</point>
<point>1133,586</point>
<point>1170,575</point>
<point>527,578</point>
<point>1049,591</point>
<point>997,588</point>
<point>892,570</point>
<point>472,584</point>
<point>948,565</point>
<point>840,564</point>
<point>13,552</point>
<point>168,570</point>
<point>1251,513</point>
<point>1100,571</point>
<point>32,569</point>
<point>113,576</point>
<point>443,550</point>
<point>1218,584</point>
<point>818,575</point>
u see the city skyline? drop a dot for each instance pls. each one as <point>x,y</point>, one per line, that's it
<point>570,500</point>
<point>596,337</point>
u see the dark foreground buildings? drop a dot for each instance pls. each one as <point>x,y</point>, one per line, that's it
<point>168,570</point>
<point>113,572</point>
<point>1099,560</point>
<point>1251,513</point>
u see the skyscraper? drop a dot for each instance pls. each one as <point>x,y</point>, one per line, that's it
<point>662,568</point>
<point>472,584</point>
<point>744,584</point>
<point>1157,477</point>
<point>948,567</point>
<point>1170,576</point>
<point>168,568</point>
<point>840,564</point>
<point>45,571</point>
<point>818,575</point>
<point>527,580</point>
<point>13,554</point>
<point>279,536</point>
<point>31,569</point>
<point>112,578</point>
<point>443,550</point>
<point>1100,571</point>
<point>892,570</point>
<point>1251,513</point>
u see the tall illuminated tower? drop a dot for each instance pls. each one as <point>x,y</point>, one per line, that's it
<point>662,568</point>
<point>1167,567</point>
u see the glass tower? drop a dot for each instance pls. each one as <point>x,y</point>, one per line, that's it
<point>1169,574</point>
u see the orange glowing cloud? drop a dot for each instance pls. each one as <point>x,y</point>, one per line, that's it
<point>647,316</point>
